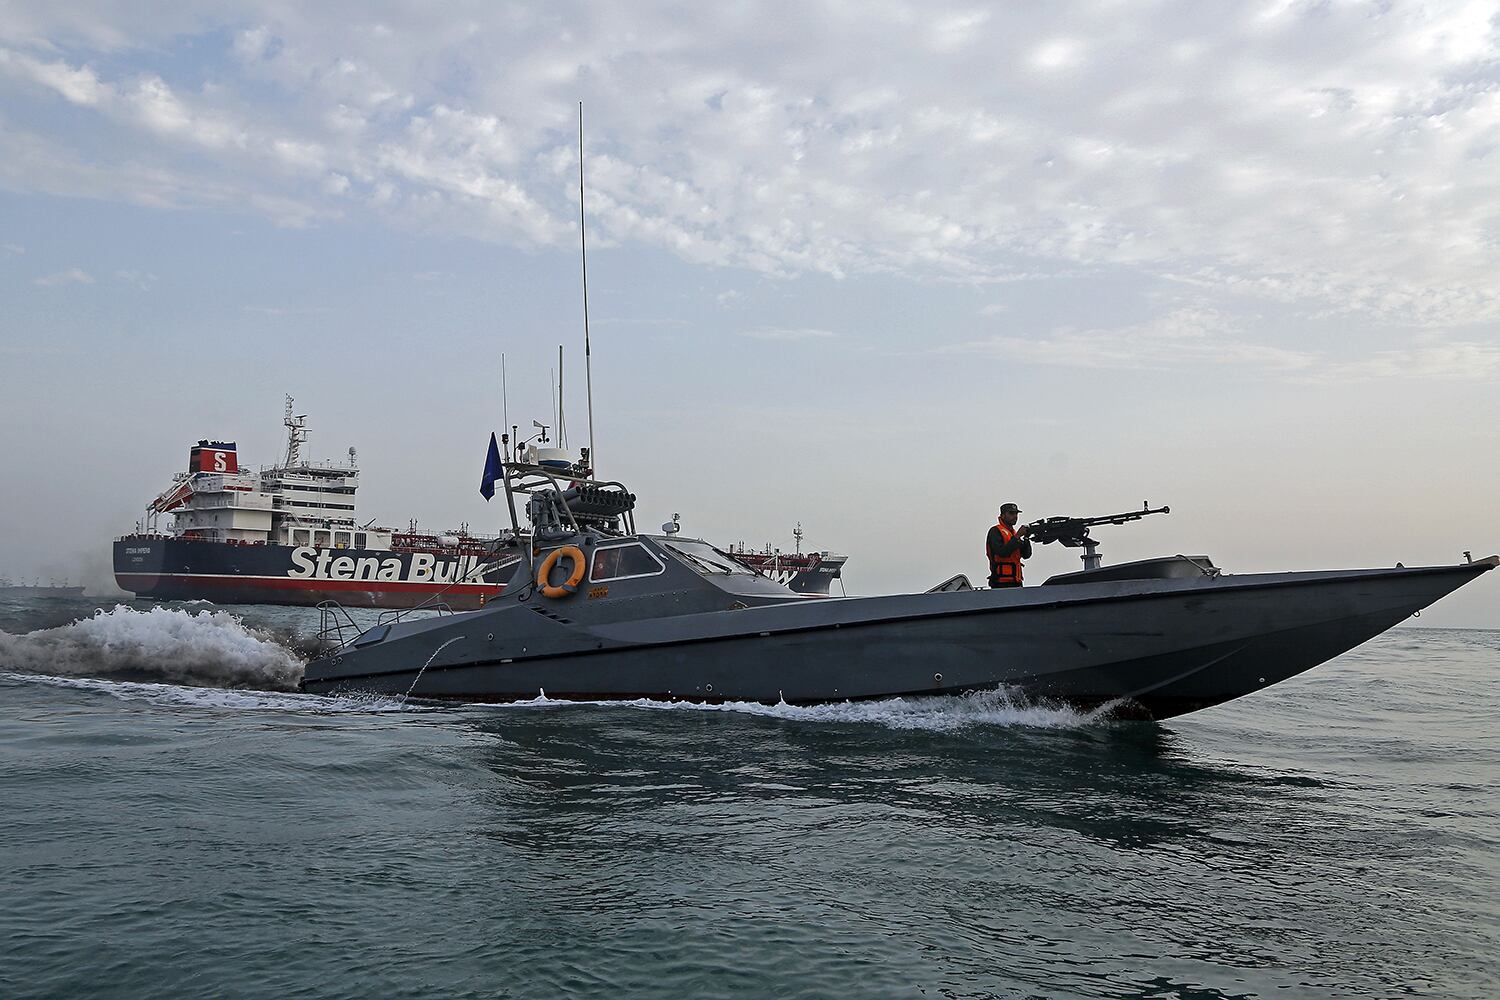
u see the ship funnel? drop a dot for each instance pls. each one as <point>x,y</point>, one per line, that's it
<point>213,456</point>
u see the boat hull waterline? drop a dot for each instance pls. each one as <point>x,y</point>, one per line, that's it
<point>1146,648</point>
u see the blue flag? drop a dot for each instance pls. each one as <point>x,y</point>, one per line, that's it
<point>492,469</point>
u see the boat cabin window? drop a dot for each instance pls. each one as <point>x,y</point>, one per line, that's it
<point>341,539</point>
<point>708,560</point>
<point>359,539</point>
<point>299,538</point>
<point>620,562</point>
<point>320,539</point>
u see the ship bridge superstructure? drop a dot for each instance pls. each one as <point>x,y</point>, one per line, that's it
<point>297,503</point>
<point>213,499</point>
<point>312,493</point>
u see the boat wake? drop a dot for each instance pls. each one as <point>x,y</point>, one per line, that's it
<point>201,649</point>
<point>225,699</point>
<point>940,713</point>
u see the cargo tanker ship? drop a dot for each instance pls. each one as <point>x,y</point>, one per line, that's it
<point>800,572</point>
<point>288,535</point>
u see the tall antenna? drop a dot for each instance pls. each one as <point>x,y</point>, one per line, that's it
<point>583,243</point>
<point>296,437</point>
<point>504,397</point>
<point>562,420</point>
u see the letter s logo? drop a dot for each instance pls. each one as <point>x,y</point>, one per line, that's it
<point>219,464</point>
<point>302,556</point>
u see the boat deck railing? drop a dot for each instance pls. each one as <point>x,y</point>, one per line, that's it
<point>396,615</point>
<point>337,627</point>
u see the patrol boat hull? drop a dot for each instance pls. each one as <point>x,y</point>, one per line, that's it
<point>1151,648</point>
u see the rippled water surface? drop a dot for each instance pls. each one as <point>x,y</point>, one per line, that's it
<point>178,821</point>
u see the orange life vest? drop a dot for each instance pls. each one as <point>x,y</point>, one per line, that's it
<point>1007,568</point>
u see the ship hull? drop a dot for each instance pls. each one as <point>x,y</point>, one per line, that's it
<point>811,576</point>
<point>178,569</point>
<point>1148,649</point>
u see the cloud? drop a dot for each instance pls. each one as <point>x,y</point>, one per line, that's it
<point>784,333</point>
<point>11,249</point>
<point>142,280</point>
<point>1197,335</point>
<point>35,162</point>
<point>1466,361</point>
<point>1057,54</point>
<point>1184,337</point>
<point>1335,157</point>
<point>72,276</point>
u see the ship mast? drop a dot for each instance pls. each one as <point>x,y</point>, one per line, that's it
<point>588,370</point>
<point>562,425</point>
<point>296,437</point>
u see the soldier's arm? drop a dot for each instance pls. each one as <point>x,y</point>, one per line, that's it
<point>1006,548</point>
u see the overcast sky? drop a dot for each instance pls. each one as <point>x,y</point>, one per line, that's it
<point>874,267</point>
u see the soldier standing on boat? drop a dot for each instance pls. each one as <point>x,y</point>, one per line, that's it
<point>1006,545</point>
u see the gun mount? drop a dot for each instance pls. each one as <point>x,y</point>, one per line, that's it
<point>1073,532</point>
<point>597,505</point>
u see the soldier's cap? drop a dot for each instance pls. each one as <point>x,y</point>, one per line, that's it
<point>1009,508</point>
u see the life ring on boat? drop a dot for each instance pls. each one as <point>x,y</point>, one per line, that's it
<point>575,575</point>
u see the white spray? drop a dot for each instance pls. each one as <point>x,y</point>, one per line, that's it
<point>204,648</point>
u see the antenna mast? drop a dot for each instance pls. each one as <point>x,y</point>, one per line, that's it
<point>562,421</point>
<point>583,243</point>
<point>296,433</point>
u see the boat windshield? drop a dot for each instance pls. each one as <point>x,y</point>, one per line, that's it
<point>707,560</point>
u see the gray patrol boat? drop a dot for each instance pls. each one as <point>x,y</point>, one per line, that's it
<point>599,611</point>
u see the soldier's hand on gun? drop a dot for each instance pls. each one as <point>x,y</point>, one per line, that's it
<point>1024,530</point>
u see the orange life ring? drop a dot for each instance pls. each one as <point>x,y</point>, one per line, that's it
<point>575,575</point>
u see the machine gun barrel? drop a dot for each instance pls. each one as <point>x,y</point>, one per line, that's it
<point>1074,531</point>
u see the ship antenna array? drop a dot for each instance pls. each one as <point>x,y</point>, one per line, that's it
<point>583,244</point>
<point>296,427</point>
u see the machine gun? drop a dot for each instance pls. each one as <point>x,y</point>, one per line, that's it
<point>1073,532</point>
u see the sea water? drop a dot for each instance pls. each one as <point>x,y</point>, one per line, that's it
<point>176,820</point>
